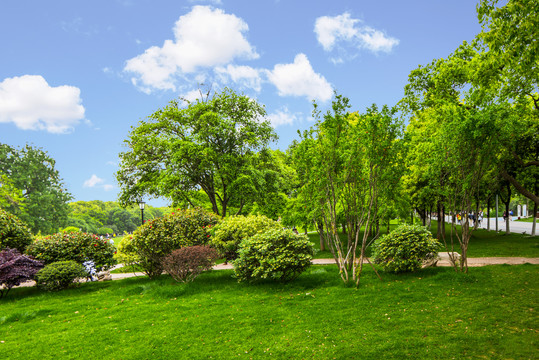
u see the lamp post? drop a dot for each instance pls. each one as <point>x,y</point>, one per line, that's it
<point>141,205</point>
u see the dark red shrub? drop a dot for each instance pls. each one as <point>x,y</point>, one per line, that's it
<point>16,269</point>
<point>187,263</point>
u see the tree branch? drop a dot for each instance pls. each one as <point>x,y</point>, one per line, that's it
<point>521,189</point>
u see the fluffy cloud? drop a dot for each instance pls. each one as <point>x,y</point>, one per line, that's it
<point>31,104</point>
<point>244,76</point>
<point>205,37</point>
<point>93,181</point>
<point>299,79</point>
<point>282,117</point>
<point>343,29</point>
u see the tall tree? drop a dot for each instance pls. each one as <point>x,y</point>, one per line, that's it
<point>206,145</point>
<point>32,171</point>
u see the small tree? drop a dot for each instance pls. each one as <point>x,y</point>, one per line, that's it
<point>16,269</point>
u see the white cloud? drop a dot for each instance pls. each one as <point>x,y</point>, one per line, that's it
<point>93,181</point>
<point>31,104</point>
<point>343,29</point>
<point>299,79</point>
<point>96,181</point>
<point>282,117</point>
<point>205,37</point>
<point>244,76</point>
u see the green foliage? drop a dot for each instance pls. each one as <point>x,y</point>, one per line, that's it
<point>127,253</point>
<point>77,246</point>
<point>70,229</point>
<point>405,248</point>
<point>276,254</point>
<point>159,237</point>
<point>60,275</point>
<point>185,264</point>
<point>207,145</point>
<point>105,231</point>
<point>232,230</point>
<point>32,171</point>
<point>13,232</point>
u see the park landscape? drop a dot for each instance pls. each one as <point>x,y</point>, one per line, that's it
<point>375,191</point>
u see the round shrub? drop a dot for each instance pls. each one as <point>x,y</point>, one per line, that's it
<point>126,253</point>
<point>103,231</point>
<point>187,263</point>
<point>60,275</point>
<point>79,247</point>
<point>13,232</point>
<point>70,229</point>
<point>159,237</point>
<point>405,248</point>
<point>277,254</point>
<point>233,229</point>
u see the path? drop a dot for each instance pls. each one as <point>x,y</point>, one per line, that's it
<point>519,227</point>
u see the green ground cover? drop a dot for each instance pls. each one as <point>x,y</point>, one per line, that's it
<point>528,219</point>
<point>435,313</point>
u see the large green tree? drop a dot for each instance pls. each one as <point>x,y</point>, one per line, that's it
<point>207,145</point>
<point>32,171</point>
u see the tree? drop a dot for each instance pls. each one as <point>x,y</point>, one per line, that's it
<point>44,194</point>
<point>205,146</point>
<point>346,160</point>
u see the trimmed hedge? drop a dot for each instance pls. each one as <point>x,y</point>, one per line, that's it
<point>159,237</point>
<point>232,230</point>
<point>14,234</point>
<point>60,275</point>
<point>79,247</point>
<point>405,248</point>
<point>275,254</point>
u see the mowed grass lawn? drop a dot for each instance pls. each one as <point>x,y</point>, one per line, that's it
<point>432,314</point>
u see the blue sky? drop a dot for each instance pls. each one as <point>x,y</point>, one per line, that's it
<point>76,75</point>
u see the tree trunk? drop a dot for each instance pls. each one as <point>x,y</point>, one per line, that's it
<point>439,214</point>
<point>488,213</point>
<point>534,218</point>
<point>320,228</point>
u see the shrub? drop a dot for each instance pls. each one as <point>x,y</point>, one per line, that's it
<point>405,248</point>
<point>126,253</point>
<point>187,263</point>
<point>13,232</point>
<point>70,229</point>
<point>104,231</point>
<point>232,230</point>
<point>159,237</point>
<point>79,247</point>
<point>15,269</point>
<point>60,275</point>
<point>275,254</point>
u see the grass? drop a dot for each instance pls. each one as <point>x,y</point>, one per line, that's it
<point>528,219</point>
<point>483,243</point>
<point>436,313</point>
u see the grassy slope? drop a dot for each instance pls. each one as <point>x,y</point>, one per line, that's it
<point>490,313</point>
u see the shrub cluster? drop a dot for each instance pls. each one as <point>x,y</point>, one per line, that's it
<point>276,254</point>
<point>13,232</point>
<point>187,263</point>
<point>405,248</point>
<point>60,275</point>
<point>15,269</point>
<point>159,237</point>
<point>232,230</point>
<point>79,247</point>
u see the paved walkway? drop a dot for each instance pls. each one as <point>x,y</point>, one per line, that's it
<point>519,227</point>
<point>444,261</point>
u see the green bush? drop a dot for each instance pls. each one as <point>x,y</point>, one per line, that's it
<point>126,253</point>
<point>233,229</point>
<point>159,237</point>
<point>405,248</point>
<point>275,254</point>
<point>104,231</point>
<point>13,232</point>
<point>70,229</point>
<point>60,275</point>
<point>79,247</point>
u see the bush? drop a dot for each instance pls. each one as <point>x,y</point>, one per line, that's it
<point>60,275</point>
<point>70,229</point>
<point>13,232</point>
<point>159,237</point>
<point>275,254</point>
<point>105,231</point>
<point>16,269</point>
<point>126,253</point>
<point>233,229</point>
<point>187,263</point>
<point>79,247</point>
<point>405,248</point>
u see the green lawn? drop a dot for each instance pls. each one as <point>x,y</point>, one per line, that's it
<point>529,219</point>
<point>482,244</point>
<point>433,314</point>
